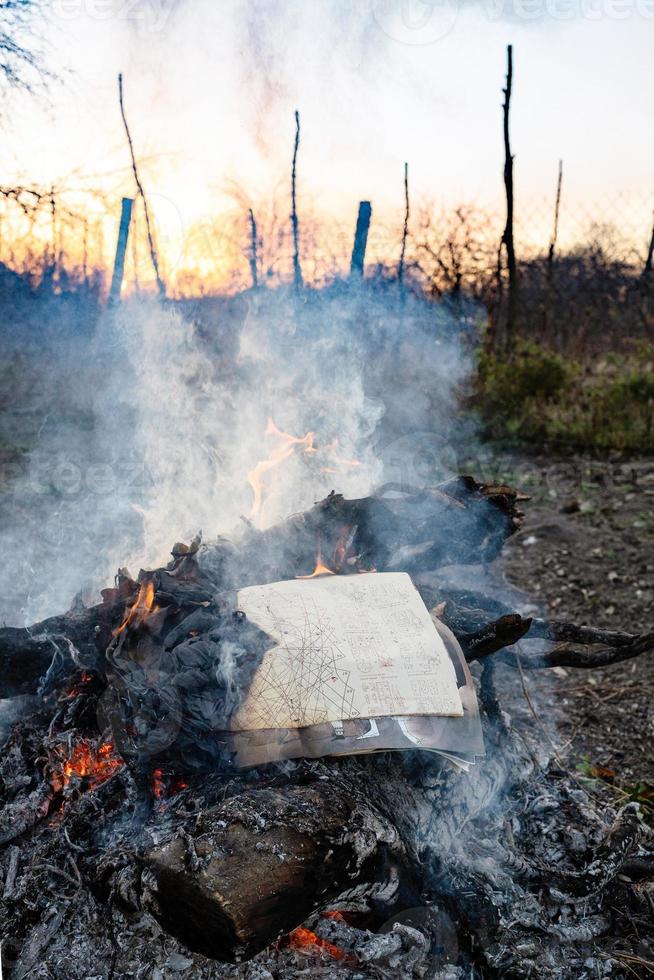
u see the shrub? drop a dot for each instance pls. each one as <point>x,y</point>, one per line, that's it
<point>513,390</point>
<point>535,394</point>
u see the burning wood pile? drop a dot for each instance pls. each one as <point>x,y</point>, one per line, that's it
<point>135,842</point>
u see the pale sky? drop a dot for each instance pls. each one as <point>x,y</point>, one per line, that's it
<point>211,86</point>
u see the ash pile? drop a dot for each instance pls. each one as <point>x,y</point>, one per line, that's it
<point>143,834</point>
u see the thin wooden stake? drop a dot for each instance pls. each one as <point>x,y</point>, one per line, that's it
<point>547,306</point>
<point>649,261</point>
<point>121,249</point>
<point>253,260</point>
<point>507,237</point>
<point>85,253</point>
<point>139,185</point>
<point>297,270</point>
<point>555,231</point>
<point>405,232</point>
<point>53,224</point>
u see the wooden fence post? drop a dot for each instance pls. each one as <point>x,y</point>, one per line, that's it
<point>121,248</point>
<point>360,239</point>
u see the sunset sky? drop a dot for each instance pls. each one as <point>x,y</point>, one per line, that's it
<point>211,86</point>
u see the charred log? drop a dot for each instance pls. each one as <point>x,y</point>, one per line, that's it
<point>262,862</point>
<point>501,633</point>
<point>459,522</point>
<point>26,655</point>
<point>480,635</point>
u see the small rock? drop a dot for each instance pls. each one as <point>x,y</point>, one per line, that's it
<point>178,963</point>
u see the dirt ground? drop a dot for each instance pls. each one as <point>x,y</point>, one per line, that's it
<point>586,554</point>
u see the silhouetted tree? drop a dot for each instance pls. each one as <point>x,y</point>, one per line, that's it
<point>22,60</point>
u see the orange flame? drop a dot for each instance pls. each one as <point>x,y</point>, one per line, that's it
<point>140,610</point>
<point>85,761</point>
<point>284,449</point>
<point>84,678</point>
<point>320,569</point>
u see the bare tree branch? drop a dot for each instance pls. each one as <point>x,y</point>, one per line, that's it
<point>139,185</point>
<point>405,230</point>
<point>22,63</point>
<point>253,258</point>
<point>297,269</point>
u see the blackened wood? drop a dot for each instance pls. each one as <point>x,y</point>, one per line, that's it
<point>27,654</point>
<point>263,861</point>
<point>458,522</point>
<point>588,658</point>
<point>501,633</point>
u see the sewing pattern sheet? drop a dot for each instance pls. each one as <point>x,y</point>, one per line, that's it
<point>356,646</point>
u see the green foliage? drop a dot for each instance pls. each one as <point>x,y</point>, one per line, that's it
<point>530,372</point>
<point>537,395</point>
<point>596,777</point>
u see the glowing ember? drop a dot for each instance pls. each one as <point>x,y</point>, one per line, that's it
<point>95,765</point>
<point>158,784</point>
<point>307,941</point>
<point>81,682</point>
<point>140,610</point>
<point>285,448</point>
<point>163,786</point>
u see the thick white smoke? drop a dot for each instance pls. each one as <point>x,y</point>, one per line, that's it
<point>169,417</point>
<point>366,379</point>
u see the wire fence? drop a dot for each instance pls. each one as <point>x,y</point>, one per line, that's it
<point>589,291</point>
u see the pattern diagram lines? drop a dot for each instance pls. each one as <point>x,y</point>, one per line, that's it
<point>304,672</point>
